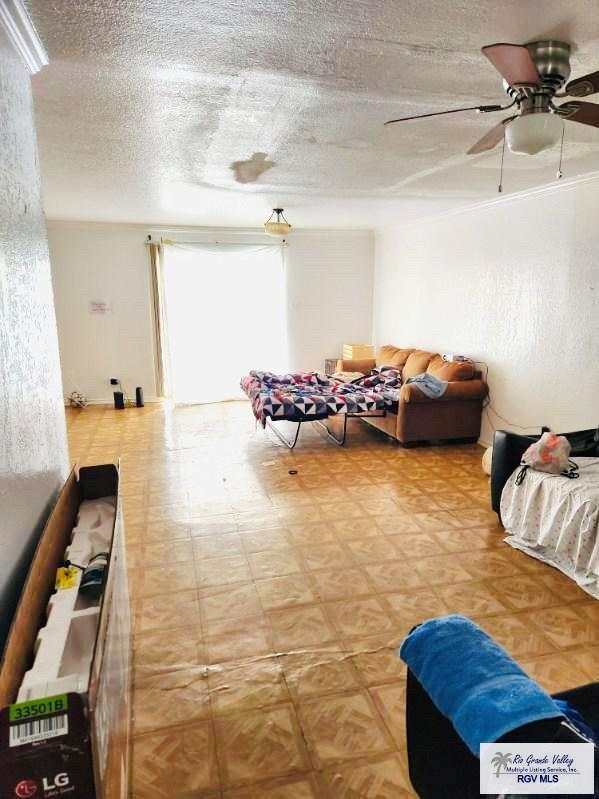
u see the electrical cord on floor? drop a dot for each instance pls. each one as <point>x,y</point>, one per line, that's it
<point>129,403</point>
<point>488,408</point>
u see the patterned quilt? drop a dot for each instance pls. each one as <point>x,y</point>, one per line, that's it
<point>306,396</point>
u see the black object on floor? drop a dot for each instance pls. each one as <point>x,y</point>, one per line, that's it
<point>119,400</point>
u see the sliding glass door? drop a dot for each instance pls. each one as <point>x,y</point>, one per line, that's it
<point>225,308</point>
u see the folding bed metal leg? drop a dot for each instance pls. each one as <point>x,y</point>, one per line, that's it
<point>339,440</point>
<point>330,434</point>
<point>289,443</point>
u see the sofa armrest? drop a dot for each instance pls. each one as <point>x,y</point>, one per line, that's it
<point>365,366</point>
<point>508,449</point>
<point>456,390</point>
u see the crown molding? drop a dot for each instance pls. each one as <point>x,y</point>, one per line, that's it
<point>23,36</point>
<point>555,187</point>
<point>208,233</point>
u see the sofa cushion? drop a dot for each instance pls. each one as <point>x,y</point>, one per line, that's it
<point>450,370</point>
<point>417,363</point>
<point>388,355</point>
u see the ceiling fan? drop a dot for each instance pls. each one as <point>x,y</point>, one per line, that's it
<point>532,75</point>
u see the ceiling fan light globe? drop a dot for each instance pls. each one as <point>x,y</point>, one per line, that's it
<point>533,133</point>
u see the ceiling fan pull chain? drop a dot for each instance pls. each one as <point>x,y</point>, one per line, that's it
<point>560,174</point>
<point>500,187</point>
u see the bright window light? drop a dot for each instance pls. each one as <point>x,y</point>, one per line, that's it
<point>226,313</point>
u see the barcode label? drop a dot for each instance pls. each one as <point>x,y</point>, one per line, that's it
<point>38,730</point>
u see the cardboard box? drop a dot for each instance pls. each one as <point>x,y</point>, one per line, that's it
<point>70,744</point>
<point>357,352</point>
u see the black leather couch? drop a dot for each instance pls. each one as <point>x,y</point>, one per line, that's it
<point>508,449</point>
<point>441,765</point>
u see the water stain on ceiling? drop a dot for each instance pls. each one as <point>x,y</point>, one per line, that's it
<point>249,171</point>
<point>151,111</point>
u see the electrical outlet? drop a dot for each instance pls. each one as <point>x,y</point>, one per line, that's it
<point>114,381</point>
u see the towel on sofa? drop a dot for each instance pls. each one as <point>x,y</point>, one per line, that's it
<point>473,681</point>
<point>430,385</point>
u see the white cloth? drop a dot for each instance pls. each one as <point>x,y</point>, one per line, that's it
<point>93,532</point>
<point>347,377</point>
<point>556,520</point>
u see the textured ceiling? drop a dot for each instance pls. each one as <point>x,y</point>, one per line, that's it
<point>149,106</point>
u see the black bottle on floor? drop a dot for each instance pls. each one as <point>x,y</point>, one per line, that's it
<point>119,400</point>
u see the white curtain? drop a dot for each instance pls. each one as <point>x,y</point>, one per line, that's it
<point>227,313</point>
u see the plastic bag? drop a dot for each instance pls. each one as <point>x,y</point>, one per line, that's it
<point>551,453</point>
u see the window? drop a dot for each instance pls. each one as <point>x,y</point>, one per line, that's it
<point>226,314</point>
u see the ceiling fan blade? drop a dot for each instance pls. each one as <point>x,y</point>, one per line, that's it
<point>491,138</point>
<point>483,109</point>
<point>581,87</point>
<point>577,111</point>
<point>514,62</point>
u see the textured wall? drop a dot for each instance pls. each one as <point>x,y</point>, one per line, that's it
<point>33,452</point>
<point>514,284</point>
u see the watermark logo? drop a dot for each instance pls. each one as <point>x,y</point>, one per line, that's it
<point>548,769</point>
<point>501,761</point>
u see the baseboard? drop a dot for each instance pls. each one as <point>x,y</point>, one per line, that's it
<point>110,401</point>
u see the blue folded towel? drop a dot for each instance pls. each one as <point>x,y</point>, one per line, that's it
<point>431,386</point>
<point>473,681</point>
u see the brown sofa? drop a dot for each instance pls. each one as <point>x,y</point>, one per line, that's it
<point>457,414</point>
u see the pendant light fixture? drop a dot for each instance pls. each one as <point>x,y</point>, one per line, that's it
<point>279,227</point>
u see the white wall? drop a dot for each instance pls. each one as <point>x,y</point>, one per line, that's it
<point>329,275</point>
<point>514,284</point>
<point>102,262</point>
<point>329,286</point>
